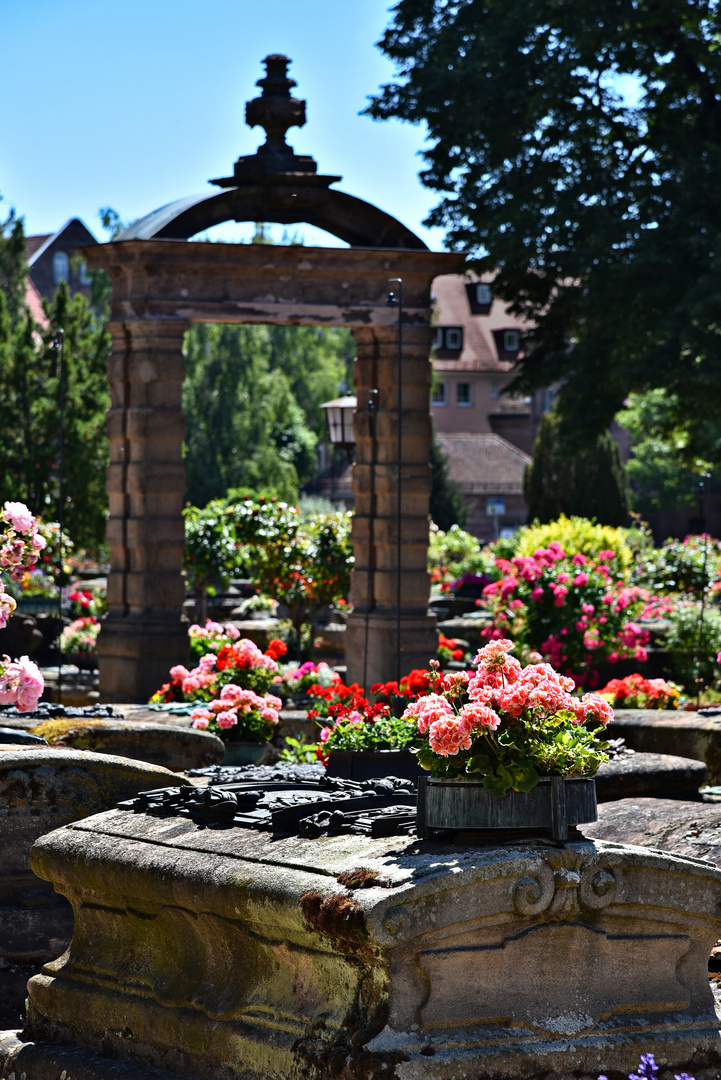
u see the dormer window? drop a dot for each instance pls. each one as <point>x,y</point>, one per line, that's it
<point>511,340</point>
<point>454,338</point>
<point>483,294</point>
<point>449,339</point>
<point>61,267</point>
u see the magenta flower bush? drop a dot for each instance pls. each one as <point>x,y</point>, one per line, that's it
<point>574,611</point>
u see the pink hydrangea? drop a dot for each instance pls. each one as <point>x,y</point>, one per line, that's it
<point>179,672</point>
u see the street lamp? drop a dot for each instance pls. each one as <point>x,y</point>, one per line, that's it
<point>395,296</point>
<point>339,421</point>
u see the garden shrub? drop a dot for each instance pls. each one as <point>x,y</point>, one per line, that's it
<point>683,638</point>
<point>688,565</point>
<point>571,610</point>
<point>577,536</point>
<point>455,552</point>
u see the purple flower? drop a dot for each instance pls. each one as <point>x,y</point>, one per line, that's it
<point>646,1068</point>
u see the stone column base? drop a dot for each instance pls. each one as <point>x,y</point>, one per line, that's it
<point>419,643</point>
<point>135,655</point>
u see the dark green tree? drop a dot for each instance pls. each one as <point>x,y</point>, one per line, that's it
<point>599,211</point>
<point>662,473</point>
<point>591,485</point>
<point>252,397</point>
<point>29,401</point>
<point>447,506</point>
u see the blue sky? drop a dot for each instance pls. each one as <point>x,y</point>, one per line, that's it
<point>134,103</point>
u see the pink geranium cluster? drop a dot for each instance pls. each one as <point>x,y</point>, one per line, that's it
<point>512,724</point>
<point>574,610</point>
<point>242,663</point>
<point>211,637</point>
<point>501,689</point>
<point>21,683</point>
<point>239,714</point>
<point>20,547</point>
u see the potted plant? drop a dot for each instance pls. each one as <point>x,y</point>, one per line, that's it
<point>79,642</point>
<point>365,741</point>
<point>240,662</point>
<point>508,747</point>
<point>244,720</point>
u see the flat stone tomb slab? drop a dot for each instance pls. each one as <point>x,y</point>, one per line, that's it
<point>684,734</point>
<point>219,951</point>
<point>42,788</point>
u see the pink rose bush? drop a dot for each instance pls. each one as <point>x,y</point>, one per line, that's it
<point>575,611</point>
<point>21,683</point>
<point>239,715</point>
<point>508,723</point>
<point>20,547</point>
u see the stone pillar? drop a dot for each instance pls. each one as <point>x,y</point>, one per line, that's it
<point>377,366</point>
<point>143,634</point>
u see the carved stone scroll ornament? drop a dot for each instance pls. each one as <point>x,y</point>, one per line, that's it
<point>564,883</point>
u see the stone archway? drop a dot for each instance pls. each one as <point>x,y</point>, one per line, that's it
<point>161,287</point>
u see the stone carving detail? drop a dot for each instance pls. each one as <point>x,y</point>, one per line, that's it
<point>562,885</point>
<point>395,920</point>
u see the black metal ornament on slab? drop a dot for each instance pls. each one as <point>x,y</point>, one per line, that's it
<point>294,805</point>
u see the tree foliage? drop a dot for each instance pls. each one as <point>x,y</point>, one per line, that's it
<point>663,470</point>
<point>447,506</point>
<point>29,400</point>
<point>251,397</point>
<point>589,485</point>
<point>579,147</point>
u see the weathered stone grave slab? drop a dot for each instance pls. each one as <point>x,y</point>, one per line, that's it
<point>218,951</point>
<point>174,747</point>
<point>684,734</point>
<point>691,829</point>
<point>642,775</point>
<point>40,790</point>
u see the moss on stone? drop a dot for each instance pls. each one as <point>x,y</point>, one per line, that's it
<point>56,731</point>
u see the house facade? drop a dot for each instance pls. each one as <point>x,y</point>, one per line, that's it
<point>487,435</point>
<point>53,258</point>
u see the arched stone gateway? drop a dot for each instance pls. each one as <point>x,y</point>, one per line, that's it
<point>161,287</point>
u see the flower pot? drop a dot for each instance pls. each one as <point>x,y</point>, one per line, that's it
<point>83,661</point>
<point>550,807</point>
<point>370,764</point>
<point>245,753</point>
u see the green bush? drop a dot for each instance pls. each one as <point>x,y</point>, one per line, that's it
<point>693,649</point>
<point>577,536</point>
<point>456,552</point>
<point>688,565</point>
